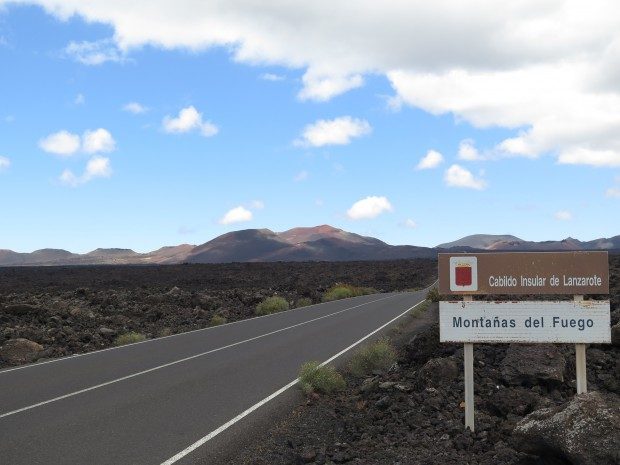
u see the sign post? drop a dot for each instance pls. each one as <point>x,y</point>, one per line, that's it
<point>468,365</point>
<point>580,362</point>
<point>579,321</point>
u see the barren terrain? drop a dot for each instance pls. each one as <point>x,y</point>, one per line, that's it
<point>526,409</point>
<point>69,310</point>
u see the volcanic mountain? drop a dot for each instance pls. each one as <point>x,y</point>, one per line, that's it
<point>319,243</point>
<point>512,243</point>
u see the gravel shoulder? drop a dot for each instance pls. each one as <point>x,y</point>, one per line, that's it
<point>413,414</point>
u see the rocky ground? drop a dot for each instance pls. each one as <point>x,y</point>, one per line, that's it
<point>56,311</point>
<point>527,412</point>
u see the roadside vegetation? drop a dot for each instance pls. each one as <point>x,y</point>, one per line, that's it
<point>129,338</point>
<point>420,309</point>
<point>217,320</point>
<point>303,302</point>
<point>271,305</point>
<point>321,379</point>
<point>433,295</point>
<point>344,291</point>
<point>378,356</point>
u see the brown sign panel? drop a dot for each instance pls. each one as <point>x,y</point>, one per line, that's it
<point>524,273</point>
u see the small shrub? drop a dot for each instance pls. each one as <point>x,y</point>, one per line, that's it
<point>165,332</point>
<point>272,305</point>
<point>344,291</point>
<point>129,338</point>
<point>323,379</point>
<point>303,302</point>
<point>420,308</point>
<point>217,320</point>
<point>379,355</point>
<point>433,295</point>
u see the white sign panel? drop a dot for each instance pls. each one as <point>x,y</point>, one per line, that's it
<point>565,321</point>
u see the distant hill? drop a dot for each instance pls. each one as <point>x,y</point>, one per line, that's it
<point>512,243</point>
<point>319,243</point>
<point>481,241</point>
<point>300,244</point>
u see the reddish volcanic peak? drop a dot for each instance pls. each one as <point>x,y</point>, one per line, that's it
<point>299,235</point>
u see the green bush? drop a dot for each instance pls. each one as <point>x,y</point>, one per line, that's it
<point>344,291</point>
<point>303,302</point>
<point>272,305</point>
<point>421,308</point>
<point>323,379</point>
<point>217,320</point>
<point>129,338</point>
<point>433,295</point>
<point>379,355</point>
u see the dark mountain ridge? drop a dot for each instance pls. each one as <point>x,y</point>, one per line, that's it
<point>319,243</point>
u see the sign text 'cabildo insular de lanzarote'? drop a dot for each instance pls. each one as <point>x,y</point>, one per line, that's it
<point>524,273</point>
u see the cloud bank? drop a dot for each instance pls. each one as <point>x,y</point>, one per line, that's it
<point>546,69</point>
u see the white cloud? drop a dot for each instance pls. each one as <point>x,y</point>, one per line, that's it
<point>322,88</point>
<point>79,99</point>
<point>563,215</point>
<point>238,214</point>
<point>409,224</point>
<point>586,156</point>
<point>301,176</point>
<point>272,77</point>
<point>4,163</point>
<point>68,178</point>
<point>457,176</point>
<point>546,69</point>
<point>468,151</point>
<point>613,192</point>
<point>338,131</point>
<point>432,159</point>
<point>135,108</point>
<point>95,53</point>
<point>257,204</point>
<point>97,167</point>
<point>61,143</point>
<point>189,119</point>
<point>369,207</point>
<point>99,140</point>
<point>65,143</point>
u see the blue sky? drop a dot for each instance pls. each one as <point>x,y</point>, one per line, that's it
<point>219,130</point>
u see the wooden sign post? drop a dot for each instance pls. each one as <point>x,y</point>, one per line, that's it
<point>468,366</point>
<point>579,321</point>
<point>580,361</point>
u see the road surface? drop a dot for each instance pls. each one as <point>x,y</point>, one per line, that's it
<point>162,401</point>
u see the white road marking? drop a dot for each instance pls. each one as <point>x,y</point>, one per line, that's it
<point>259,404</point>
<point>68,357</point>
<point>117,380</point>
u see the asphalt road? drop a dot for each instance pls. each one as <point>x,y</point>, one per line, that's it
<point>162,401</point>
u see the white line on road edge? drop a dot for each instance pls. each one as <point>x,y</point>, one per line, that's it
<point>117,380</point>
<point>256,406</point>
<point>157,339</point>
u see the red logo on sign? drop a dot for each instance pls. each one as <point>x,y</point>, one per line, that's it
<point>462,275</point>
